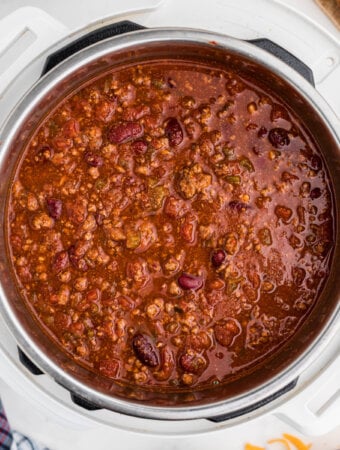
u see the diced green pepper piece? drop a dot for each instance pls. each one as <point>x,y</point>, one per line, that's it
<point>247,164</point>
<point>233,179</point>
<point>232,284</point>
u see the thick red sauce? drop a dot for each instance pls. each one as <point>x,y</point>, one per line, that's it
<point>170,225</point>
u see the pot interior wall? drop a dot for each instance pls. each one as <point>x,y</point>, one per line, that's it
<point>211,54</point>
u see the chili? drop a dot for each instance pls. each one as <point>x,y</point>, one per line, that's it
<point>171,224</point>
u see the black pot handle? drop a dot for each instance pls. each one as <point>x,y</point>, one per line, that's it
<point>286,57</point>
<point>26,362</point>
<point>83,403</point>
<point>88,39</point>
<point>253,406</point>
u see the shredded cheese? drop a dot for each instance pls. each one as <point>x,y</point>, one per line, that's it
<point>286,440</point>
<point>297,442</point>
<point>281,441</point>
<point>253,447</point>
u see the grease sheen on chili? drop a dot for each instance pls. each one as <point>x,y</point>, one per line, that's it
<point>171,224</point>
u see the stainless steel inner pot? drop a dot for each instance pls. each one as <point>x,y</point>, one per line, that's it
<point>176,44</point>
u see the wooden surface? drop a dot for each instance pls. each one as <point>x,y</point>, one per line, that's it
<point>332,9</point>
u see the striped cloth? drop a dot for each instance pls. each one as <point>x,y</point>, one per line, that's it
<point>13,440</point>
<point>6,437</point>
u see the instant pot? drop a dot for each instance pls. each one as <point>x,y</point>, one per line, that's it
<point>116,44</point>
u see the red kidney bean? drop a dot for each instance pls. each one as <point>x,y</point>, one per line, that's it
<point>61,261</point>
<point>139,146</point>
<point>237,206</point>
<point>187,281</point>
<point>315,193</point>
<point>173,132</point>
<point>44,154</point>
<point>93,159</point>
<point>218,257</point>
<point>278,137</point>
<point>124,132</point>
<point>144,350</point>
<point>54,207</point>
<point>192,363</point>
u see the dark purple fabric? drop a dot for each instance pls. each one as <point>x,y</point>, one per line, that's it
<point>6,437</point>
